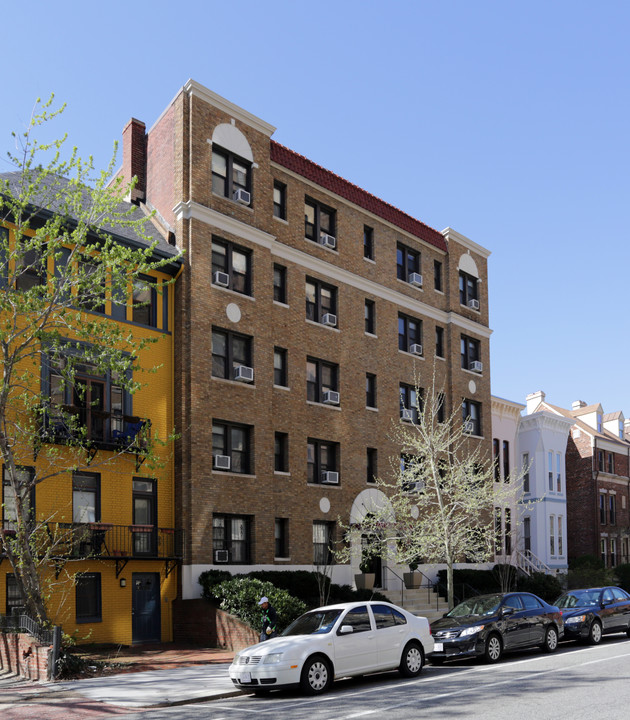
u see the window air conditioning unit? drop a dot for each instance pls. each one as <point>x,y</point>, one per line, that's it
<point>222,462</point>
<point>327,241</point>
<point>221,556</point>
<point>414,487</point>
<point>330,478</point>
<point>242,373</point>
<point>242,196</point>
<point>473,304</point>
<point>469,427</point>
<point>415,349</point>
<point>415,279</point>
<point>221,278</point>
<point>406,414</point>
<point>476,366</point>
<point>331,397</point>
<point>329,319</point>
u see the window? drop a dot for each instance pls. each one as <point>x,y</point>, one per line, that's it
<point>506,461</point>
<point>508,531</point>
<point>560,542</point>
<point>321,377</point>
<point>233,533</point>
<point>279,200</point>
<point>86,497</point>
<point>281,452</point>
<point>602,509</point>
<point>280,374</point>
<point>321,299</point>
<point>13,598</point>
<point>229,173</point>
<point>368,243</point>
<point>323,538</point>
<point>370,317</point>
<point>440,409</point>
<point>409,332</point>
<point>612,509</point>
<point>552,534</point>
<point>600,460</point>
<point>281,534</point>
<point>498,545</point>
<point>611,463</point>
<point>358,619</point>
<point>30,269</point>
<point>468,289</point>
<point>410,401</point>
<point>470,351</point>
<point>439,341</point>
<point>613,552</point>
<point>25,477</point>
<point>88,597</point>
<point>471,413</point>
<point>144,301</point>
<point>526,470</point>
<point>322,456</point>
<point>233,261</point>
<point>144,498</point>
<point>229,352</point>
<point>370,390</point>
<point>407,262</point>
<point>280,284</point>
<point>527,534</point>
<point>437,275</point>
<point>496,459</point>
<point>234,441</point>
<point>318,220</point>
<point>558,473</point>
<point>550,469</point>
<point>386,616</point>
<point>372,465</point>
<point>602,550</point>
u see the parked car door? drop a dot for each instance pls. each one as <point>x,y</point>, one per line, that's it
<point>621,604</point>
<point>607,613</point>
<point>356,651</point>
<point>534,619</point>
<point>513,623</point>
<point>391,633</point>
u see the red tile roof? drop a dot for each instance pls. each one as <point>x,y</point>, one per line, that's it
<point>306,168</point>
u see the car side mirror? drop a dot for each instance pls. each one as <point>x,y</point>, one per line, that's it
<point>606,602</point>
<point>507,611</point>
<point>346,630</point>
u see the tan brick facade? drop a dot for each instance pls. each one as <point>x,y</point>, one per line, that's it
<point>179,186</point>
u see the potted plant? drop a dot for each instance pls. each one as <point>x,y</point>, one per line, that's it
<point>412,578</point>
<point>365,580</point>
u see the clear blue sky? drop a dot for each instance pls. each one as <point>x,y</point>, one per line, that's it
<point>506,121</point>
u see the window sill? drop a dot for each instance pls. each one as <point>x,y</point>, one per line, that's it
<point>281,387</point>
<point>324,485</point>
<point>372,335</point>
<point>280,304</point>
<point>323,247</point>
<point>321,325</point>
<point>406,352</point>
<point>440,357</point>
<point>282,473</point>
<point>323,405</point>
<point>284,221</point>
<point>282,559</point>
<point>372,409</point>
<point>369,260</point>
<point>232,292</point>
<point>409,285</point>
<point>233,473</point>
<point>471,309</point>
<point>233,202</point>
<point>234,382</point>
<point>474,373</point>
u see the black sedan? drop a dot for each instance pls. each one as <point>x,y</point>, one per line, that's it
<point>589,614</point>
<point>486,625</point>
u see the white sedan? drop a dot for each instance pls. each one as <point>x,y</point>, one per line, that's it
<point>333,642</point>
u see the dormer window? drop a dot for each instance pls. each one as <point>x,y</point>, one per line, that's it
<point>599,422</point>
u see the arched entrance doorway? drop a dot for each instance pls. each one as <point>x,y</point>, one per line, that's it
<point>366,502</point>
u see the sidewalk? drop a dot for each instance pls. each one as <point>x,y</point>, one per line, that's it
<point>142,677</point>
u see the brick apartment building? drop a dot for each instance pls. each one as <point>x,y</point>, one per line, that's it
<point>306,313</point>
<point>597,480</point>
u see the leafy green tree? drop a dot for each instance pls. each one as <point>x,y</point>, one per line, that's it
<point>437,505</point>
<point>66,247</point>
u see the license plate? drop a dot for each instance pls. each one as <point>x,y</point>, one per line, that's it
<point>438,647</point>
<point>246,677</point>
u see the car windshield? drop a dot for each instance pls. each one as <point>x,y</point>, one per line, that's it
<point>579,598</point>
<point>485,605</point>
<point>317,622</point>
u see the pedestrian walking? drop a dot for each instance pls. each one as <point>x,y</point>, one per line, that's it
<point>269,619</point>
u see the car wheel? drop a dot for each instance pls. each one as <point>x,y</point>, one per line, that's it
<point>551,640</point>
<point>411,661</point>
<point>494,649</point>
<point>316,675</point>
<point>595,632</point>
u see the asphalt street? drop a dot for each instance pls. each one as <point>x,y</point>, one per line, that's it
<point>577,682</point>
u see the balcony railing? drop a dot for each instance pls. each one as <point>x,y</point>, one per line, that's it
<point>103,540</point>
<point>105,430</point>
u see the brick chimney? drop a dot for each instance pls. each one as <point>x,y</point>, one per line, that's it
<point>533,401</point>
<point>135,158</point>
<point>578,404</point>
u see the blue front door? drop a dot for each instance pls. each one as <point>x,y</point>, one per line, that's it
<point>146,608</point>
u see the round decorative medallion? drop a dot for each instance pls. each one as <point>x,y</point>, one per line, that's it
<point>233,312</point>
<point>472,386</point>
<point>324,505</point>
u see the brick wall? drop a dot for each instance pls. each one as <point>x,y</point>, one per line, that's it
<point>20,654</point>
<point>200,622</point>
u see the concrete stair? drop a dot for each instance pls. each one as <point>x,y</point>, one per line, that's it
<point>419,601</point>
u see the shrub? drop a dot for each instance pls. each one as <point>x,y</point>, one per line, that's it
<point>209,579</point>
<point>240,596</point>
<point>547,587</point>
<point>588,571</point>
<point>622,576</point>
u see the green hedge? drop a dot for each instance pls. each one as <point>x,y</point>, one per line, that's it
<point>622,576</point>
<point>588,571</point>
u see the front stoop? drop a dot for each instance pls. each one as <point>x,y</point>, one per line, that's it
<point>419,602</point>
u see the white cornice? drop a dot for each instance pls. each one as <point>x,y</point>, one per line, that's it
<point>194,211</point>
<point>195,89</point>
<point>546,420</point>
<point>506,407</point>
<point>451,234</point>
